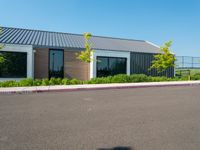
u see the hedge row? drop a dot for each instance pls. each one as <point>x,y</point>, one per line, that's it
<point>121,78</point>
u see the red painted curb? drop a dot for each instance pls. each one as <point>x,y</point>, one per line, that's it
<point>97,88</point>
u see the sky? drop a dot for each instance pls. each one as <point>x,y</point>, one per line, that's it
<point>157,21</point>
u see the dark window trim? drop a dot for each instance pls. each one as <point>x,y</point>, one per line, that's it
<point>13,52</point>
<point>108,62</point>
<point>49,61</point>
<point>111,57</point>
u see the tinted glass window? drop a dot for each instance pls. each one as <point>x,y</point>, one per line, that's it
<point>117,66</point>
<point>110,66</point>
<point>102,67</point>
<point>56,64</point>
<point>14,66</point>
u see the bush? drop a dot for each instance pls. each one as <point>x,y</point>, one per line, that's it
<point>121,78</point>
<point>107,79</point>
<point>100,80</point>
<point>8,84</point>
<point>37,82</point>
<point>75,81</point>
<point>184,78</point>
<point>55,81</point>
<point>45,82</point>
<point>26,82</point>
<point>139,78</point>
<point>159,79</point>
<point>195,76</point>
<point>95,81</point>
<point>65,81</point>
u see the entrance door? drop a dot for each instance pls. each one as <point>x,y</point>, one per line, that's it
<point>56,63</point>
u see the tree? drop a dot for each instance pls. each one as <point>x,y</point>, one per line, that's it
<point>164,60</point>
<point>1,46</point>
<point>85,55</point>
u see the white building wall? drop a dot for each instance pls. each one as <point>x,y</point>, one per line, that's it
<point>30,58</point>
<point>107,53</point>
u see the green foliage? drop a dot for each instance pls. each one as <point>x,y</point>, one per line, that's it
<point>45,82</point>
<point>37,82</point>
<point>9,84</point>
<point>65,81</point>
<point>26,82</point>
<point>165,60</point>
<point>159,79</point>
<point>121,78</point>
<point>195,76</point>
<point>139,78</point>
<point>75,81</point>
<point>192,71</point>
<point>100,80</point>
<point>2,59</point>
<point>55,81</point>
<point>85,55</point>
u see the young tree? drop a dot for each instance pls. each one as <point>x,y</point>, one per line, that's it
<point>1,46</point>
<point>85,55</point>
<point>164,60</point>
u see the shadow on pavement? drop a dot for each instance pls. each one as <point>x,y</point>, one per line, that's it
<point>117,148</point>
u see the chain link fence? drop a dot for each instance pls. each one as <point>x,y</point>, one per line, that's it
<point>187,62</point>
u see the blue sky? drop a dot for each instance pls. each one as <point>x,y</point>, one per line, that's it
<point>154,20</point>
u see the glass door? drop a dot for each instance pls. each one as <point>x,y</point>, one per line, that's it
<point>56,63</point>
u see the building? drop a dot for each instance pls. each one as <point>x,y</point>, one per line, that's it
<point>43,54</point>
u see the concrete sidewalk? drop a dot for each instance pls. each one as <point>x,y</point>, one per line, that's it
<point>60,88</point>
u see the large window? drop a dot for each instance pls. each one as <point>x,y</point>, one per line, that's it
<point>14,66</point>
<point>107,66</point>
<point>56,63</point>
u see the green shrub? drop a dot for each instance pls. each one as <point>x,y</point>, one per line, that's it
<point>107,79</point>
<point>37,82</point>
<point>75,81</point>
<point>184,78</point>
<point>55,81</point>
<point>65,81</point>
<point>26,82</point>
<point>85,82</point>
<point>59,81</point>
<point>45,82</point>
<point>9,84</point>
<point>195,76</point>
<point>138,78</point>
<point>121,78</point>
<point>95,81</point>
<point>100,80</point>
<point>176,79</point>
<point>159,79</point>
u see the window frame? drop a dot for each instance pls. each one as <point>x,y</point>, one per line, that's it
<point>108,57</point>
<point>62,61</point>
<point>18,52</point>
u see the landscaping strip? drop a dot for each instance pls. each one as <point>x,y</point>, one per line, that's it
<point>68,88</point>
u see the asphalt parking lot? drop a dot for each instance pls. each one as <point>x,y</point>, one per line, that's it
<point>165,118</point>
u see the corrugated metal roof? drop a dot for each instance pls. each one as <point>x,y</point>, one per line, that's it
<point>39,38</point>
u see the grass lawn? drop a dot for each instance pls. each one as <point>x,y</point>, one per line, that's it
<point>185,72</point>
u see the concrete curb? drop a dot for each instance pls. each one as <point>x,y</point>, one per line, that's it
<point>70,88</point>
